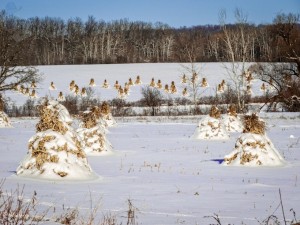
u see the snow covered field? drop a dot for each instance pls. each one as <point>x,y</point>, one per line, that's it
<point>61,76</point>
<point>170,177</point>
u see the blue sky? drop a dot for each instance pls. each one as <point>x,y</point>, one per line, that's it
<point>176,13</point>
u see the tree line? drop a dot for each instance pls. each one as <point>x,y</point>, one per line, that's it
<point>50,41</point>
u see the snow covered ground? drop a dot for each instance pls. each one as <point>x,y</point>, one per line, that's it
<point>169,177</point>
<point>62,76</point>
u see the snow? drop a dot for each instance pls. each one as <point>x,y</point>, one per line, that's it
<point>4,120</point>
<point>232,123</point>
<point>62,75</point>
<point>170,177</point>
<point>108,120</point>
<point>162,171</point>
<point>257,149</point>
<point>94,141</point>
<point>69,165</point>
<point>55,152</point>
<point>210,128</point>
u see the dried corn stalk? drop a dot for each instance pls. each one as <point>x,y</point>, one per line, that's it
<point>252,124</point>
<point>92,82</point>
<point>130,82</point>
<point>159,84</point>
<point>89,119</point>
<point>106,85</point>
<point>184,79</point>
<point>152,83</point>
<point>105,108</point>
<point>138,80</point>
<point>232,110</point>
<point>49,119</point>
<point>204,82</point>
<point>184,92</point>
<point>215,112</point>
<point>72,85</point>
<point>167,88</point>
<point>117,85</point>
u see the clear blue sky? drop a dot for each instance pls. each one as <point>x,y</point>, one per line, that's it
<point>176,13</point>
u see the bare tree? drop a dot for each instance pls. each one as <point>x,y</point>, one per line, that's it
<point>13,69</point>
<point>237,46</point>
<point>192,82</point>
<point>151,98</point>
<point>284,78</point>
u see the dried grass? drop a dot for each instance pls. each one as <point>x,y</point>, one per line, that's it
<point>152,83</point>
<point>117,85</point>
<point>159,84</point>
<point>83,91</point>
<point>105,84</point>
<point>89,119</point>
<point>184,92</point>
<point>167,88</point>
<point>60,96</point>
<point>100,139</point>
<point>229,160</point>
<point>1,104</point>
<point>173,88</point>
<point>33,84</point>
<point>204,82</point>
<point>232,110</point>
<point>263,87</point>
<point>92,82</point>
<point>184,79</point>
<point>72,85</point>
<point>215,112</point>
<point>220,88</point>
<point>77,90</point>
<point>61,173</point>
<point>105,108</point>
<point>252,124</point>
<point>40,153</point>
<point>138,80</point>
<point>247,157</point>
<point>130,82</point>
<point>126,90</point>
<point>49,120</point>
<point>26,92</point>
<point>52,85</point>
<point>33,94</point>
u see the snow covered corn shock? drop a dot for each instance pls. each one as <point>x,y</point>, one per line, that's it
<point>211,127</point>
<point>55,151</point>
<point>253,147</point>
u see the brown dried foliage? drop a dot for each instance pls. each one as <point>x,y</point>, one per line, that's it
<point>247,157</point>
<point>229,160</point>
<point>215,112</point>
<point>232,110</point>
<point>89,119</point>
<point>49,120</point>
<point>252,124</point>
<point>105,108</point>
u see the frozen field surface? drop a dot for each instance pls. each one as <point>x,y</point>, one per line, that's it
<point>169,177</point>
<point>62,75</point>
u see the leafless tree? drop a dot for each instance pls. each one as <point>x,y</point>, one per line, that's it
<point>13,69</point>
<point>237,49</point>
<point>151,98</point>
<point>283,78</point>
<point>193,75</point>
